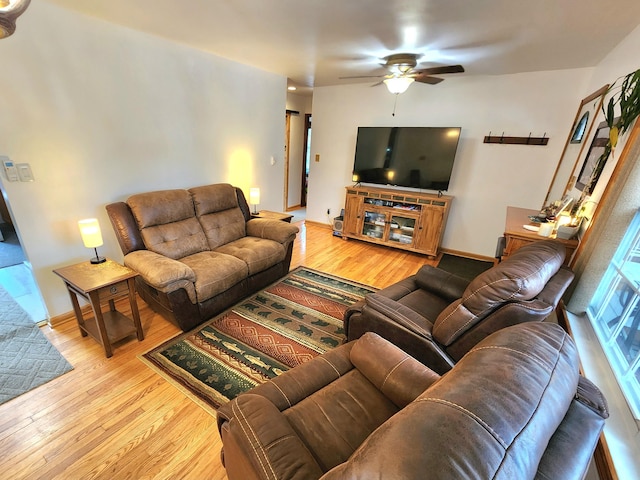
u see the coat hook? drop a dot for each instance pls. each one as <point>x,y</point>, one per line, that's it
<point>529,139</point>
<point>502,138</point>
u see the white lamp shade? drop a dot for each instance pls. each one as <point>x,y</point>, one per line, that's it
<point>90,232</point>
<point>398,84</point>
<point>254,196</point>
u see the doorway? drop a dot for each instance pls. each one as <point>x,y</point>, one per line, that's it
<point>306,159</point>
<point>16,276</point>
<point>297,158</point>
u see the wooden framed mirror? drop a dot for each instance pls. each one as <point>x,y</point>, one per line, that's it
<point>565,175</point>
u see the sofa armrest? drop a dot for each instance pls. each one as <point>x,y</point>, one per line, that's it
<point>400,377</point>
<point>556,286</point>
<point>162,273</point>
<point>398,313</point>
<point>276,230</point>
<point>267,442</point>
<point>293,386</point>
<point>440,282</point>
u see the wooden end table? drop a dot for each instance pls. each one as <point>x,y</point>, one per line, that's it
<point>285,217</point>
<point>516,236</point>
<point>97,284</point>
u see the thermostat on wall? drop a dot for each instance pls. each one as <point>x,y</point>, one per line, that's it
<point>10,169</point>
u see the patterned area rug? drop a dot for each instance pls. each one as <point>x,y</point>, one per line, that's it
<point>282,326</point>
<point>27,358</point>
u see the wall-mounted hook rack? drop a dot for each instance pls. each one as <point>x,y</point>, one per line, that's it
<point>543,140</point>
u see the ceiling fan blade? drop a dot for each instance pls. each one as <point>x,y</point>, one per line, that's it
<point>363,76</point>
<point>428,79</point>
<point>441,70</point>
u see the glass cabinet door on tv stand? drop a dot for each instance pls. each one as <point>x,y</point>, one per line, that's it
<point>374,225</point>
<point>388,227</point>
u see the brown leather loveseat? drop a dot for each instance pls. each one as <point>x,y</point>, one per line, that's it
<point>198,251</point>
<point>515,407</point>
<point>437,317</point>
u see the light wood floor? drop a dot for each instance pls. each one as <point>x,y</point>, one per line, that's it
<point>117,419</point>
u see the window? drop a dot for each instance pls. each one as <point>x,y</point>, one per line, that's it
<point>615,314</point>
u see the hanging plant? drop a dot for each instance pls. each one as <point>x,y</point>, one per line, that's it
<point>628,98</point>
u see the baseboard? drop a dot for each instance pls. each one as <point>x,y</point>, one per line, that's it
<point>472,256</point>
<point>320,224</point>
<point>70,316</point>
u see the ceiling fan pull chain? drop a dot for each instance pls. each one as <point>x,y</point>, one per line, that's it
<point>395,100</point>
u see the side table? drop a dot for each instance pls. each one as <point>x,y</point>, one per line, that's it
<point>285,217</point>
<point>97,284</point>
<point>517,236</point>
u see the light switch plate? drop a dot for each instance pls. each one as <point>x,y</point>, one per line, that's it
<point>24,172</point>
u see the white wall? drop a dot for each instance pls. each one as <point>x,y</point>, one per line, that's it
<point>486,177</point>
<point>101,112</point>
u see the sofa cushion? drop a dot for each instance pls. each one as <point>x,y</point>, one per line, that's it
<point>219,213</point>
<point>215,272</point>
<point>167,223</point>
<point>521,277</point>
<point>257,253</point>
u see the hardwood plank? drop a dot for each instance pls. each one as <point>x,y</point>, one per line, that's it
<point>117,419</point>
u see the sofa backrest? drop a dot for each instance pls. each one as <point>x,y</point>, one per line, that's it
<point>167,223</point>
<point>217,209</point>
<point>494,415</point>
<point>519,278</point>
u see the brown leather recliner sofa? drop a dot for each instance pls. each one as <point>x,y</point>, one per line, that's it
<point>515,407</point>
<point>437,317</point>
<point>198,251</point>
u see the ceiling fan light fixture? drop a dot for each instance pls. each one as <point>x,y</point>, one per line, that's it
<point>398,85</point>
<point>10,10</point>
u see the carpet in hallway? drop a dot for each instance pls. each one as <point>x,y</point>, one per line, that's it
<point>27,358</point>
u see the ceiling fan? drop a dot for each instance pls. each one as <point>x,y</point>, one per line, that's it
<point>402,72</point>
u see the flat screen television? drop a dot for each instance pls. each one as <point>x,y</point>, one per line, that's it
<point>416,157</point>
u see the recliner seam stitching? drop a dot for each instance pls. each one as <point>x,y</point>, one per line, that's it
<point>555,254</point>
<point>238,410</point>
<point>281,392</point>
<point>395,367</point>
<point>475,292</point>
<point>503,444</point>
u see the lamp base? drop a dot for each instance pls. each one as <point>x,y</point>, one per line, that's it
<point>96,260</point>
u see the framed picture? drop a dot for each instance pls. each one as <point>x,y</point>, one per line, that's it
<point>580,129</point>
<point>593,164</point>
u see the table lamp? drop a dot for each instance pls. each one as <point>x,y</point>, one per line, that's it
<point>91,236</point>
<point>254,198</point>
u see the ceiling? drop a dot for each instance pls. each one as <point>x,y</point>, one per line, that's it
<point>314,42</point>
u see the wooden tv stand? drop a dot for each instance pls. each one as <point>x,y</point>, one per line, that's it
<point>396,218</point>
